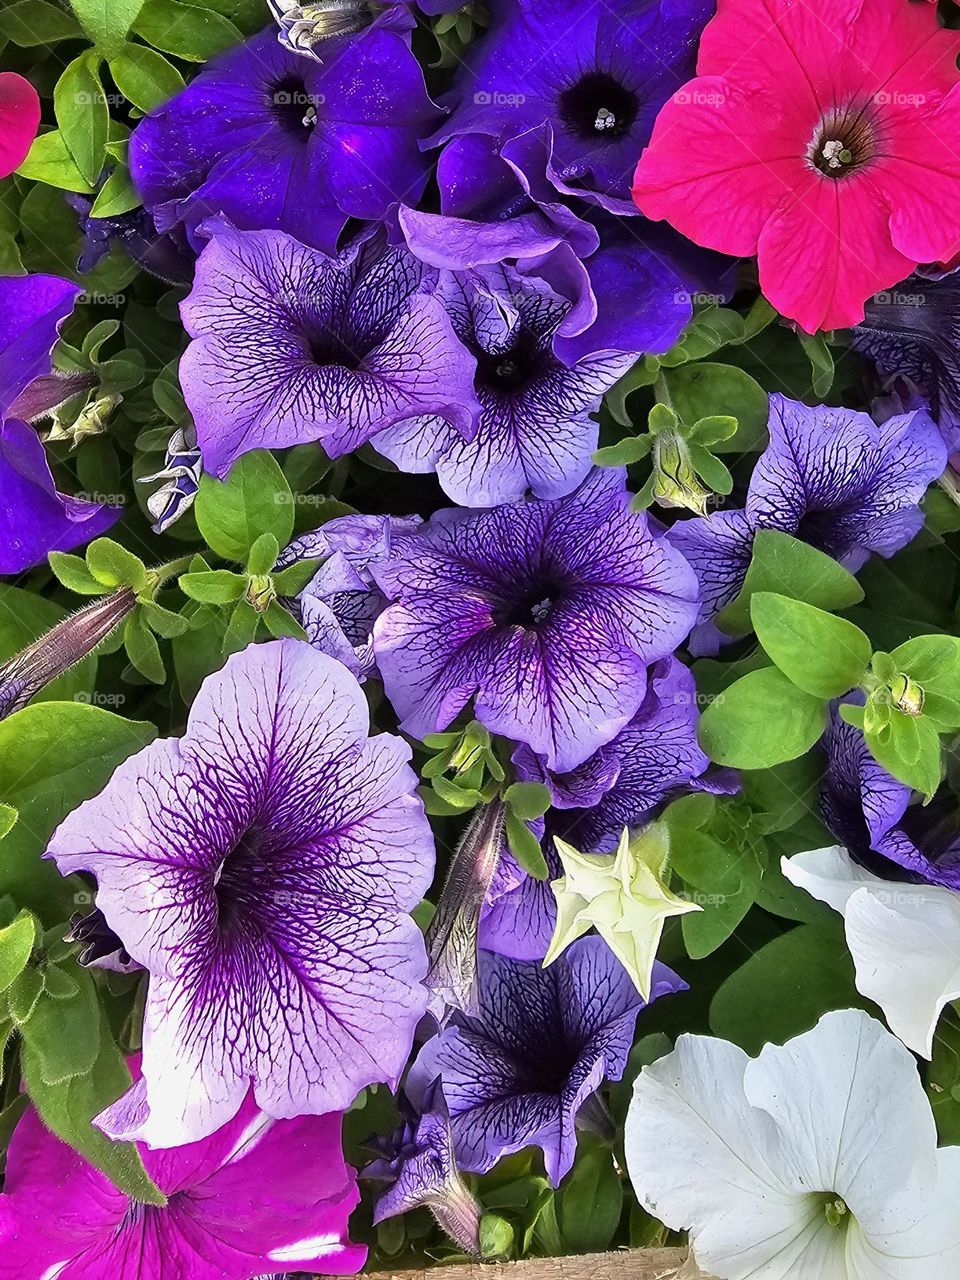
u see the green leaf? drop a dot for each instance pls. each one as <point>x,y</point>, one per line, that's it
<point>34,22</point>
<point>187,31</point>
<point>724,877</point>
<point>786,987</point>
<point>242,627</point>
<point>72,571</point>
<point>23,995</point>
<point>80,106</point>
<point>144,76</point>
<point>53,755</point>
<point>292,580</point>
<point>143,650</point>
<point>263,554</point>
<point>591,1200</point>
<point>525,847</point>
<point>68,1107</point>
<point>528,800</point>
<point>216,586</point>
<point>254,499</point>
<point>50,161</point>
<point>624,453</point>
<point>823,655</point>
<point>64,1035</point>
<point>107,22</point>
<point>909,748</point>
<point>8,819</point>
<point>707,390</point>
<point>761,720</point>
<point>821,362</point>
<point>16,944</point>
<point>114,566</point>
<point>793,568</point>
<point>117,195</point>
<point>280,623</point>
<point>932,661</point>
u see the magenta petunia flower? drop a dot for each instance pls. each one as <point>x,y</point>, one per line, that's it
<point>291,345</point>
<point>261,869</point>
<point>547,614</point>
<point>19,120</point>
<point>816,135</point>
<point>258,1197</point>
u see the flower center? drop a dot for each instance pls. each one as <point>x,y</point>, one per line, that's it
<point>836,1212</point>
<point>327,347</point>
<point>530,607</point>
<point>507,371</point>
<point>598,106</point>
<point>293,106</point>
<point>845,141</point>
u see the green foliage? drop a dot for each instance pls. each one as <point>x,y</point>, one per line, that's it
<point>254,499</point>
<point>821,654</point>
<point>741,728</point>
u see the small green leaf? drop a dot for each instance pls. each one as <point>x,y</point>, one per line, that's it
<point>117,195</point>
<point>143,650</point>
<point>591,1200</point>
<point>65,1034</point>
<point>254,499</point>
<point>263,554</point>
<point>34,22</point>
<point>107,22</point>
<point>188,31</point>
<point>528,800</point>
<point>292,580</point>
<point>281,624</point>
<point>8,819</point>
<point>821,363</point>
<point>761,720</point>
<point>932,661</point>
<point>216,586</point>
<point>793,568</point>
<point>241,628</point>
<point>144,76</point>
<point>824,655</point>
<point>49,160</point>
<point>704,390</point>
<point>624,453</point>
<point>114,566</point>
<point>909,748</point>
<point>16,943</point>
<point>80,106</point>
<point>525,847</point>
<point>23,995</point>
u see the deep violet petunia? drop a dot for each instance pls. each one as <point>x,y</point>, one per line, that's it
<point>19,120</point>
<point>872,814</point>
<point>547,614</point>
<point>273,139</point>
<point>831,477</point>
<point>34,517</point>
<point>164,255</point>
<point>535,432</point>
<point>258,1197</point>
<point>539,1047</point>
<point>595,74</point>
<point>339,605</point>
<point>261,869</point>
<point>813,138</point>
<point>913,332</point>
<point>653,759</point>
<point>291,345</point>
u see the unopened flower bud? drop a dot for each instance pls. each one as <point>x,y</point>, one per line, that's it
<point>908,696</point>
<point>675,482</point>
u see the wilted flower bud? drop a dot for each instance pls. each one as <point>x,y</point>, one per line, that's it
<point>304,26</point>
<point>675,482</point>
<point>91,421</point>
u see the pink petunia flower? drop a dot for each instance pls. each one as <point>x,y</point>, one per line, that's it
<point>822,136</point>
<point>258,1197</point>
<point>19,120</point>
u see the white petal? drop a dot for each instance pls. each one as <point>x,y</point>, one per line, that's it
<point>851,1111</point>
<point>700,1157</point>
<point>904,939</point>
<point>926,1244</point>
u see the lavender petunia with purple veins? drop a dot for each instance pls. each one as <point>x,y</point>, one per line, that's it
<point>291,346</point>
<point>653,759</point>
<point>872,814</point>
<point>597,74</point>
<point>34,517</point>
<point>273,139</point>
<point>831,477</point>
<point>540,1046</point>
<point>261,869</point>
<point>534,432</point>
<point>256,1198</point>
<point>547,614</point>
<point>340,604</point>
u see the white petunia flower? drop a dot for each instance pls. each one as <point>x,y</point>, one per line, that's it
<point>814,1161</point>
<point>904,939</point>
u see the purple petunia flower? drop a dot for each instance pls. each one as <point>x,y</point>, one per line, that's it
<point>258,1197</point>
<point>535,432</point>
<point>871,813</point>
<point>540,1046</point>
<point>831,477</point>
<point>548,614</point>
<point>272,139</point>
<point>34,517</point>
<point>420,1166</point>
<point>913,331</point>
<point>340,604</point>
<point>166,256</point>
<point>292,346</point>
<point>261,868</point>
<point>598,75</point>
<point>653,759</point>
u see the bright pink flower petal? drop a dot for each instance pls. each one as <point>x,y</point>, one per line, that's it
<point>921,178</point>
<point>826,251</point>
<point>19,120</point>
<point>716,166</point>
